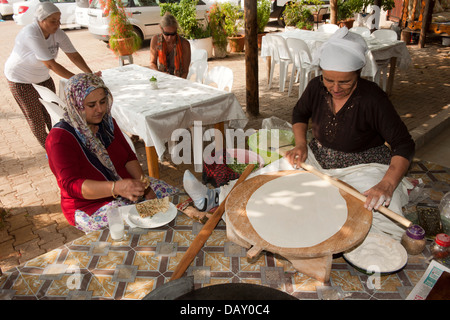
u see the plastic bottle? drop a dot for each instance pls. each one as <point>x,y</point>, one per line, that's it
<point>440,249</point>
<point>413,240</point>
<point>444,209</point>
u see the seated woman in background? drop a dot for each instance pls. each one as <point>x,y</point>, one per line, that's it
<point>169,52</point>
<point>94,165</point>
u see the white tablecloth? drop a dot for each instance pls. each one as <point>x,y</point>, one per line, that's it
<point>154,114</point>
<point>378,49</point>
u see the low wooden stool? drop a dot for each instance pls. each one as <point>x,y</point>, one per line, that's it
<point>122,60</point>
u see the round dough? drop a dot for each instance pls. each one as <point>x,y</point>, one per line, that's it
<point>297,211</point>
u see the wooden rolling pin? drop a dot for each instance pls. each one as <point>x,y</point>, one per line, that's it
<point>387,212</point>
<point>206,231</point>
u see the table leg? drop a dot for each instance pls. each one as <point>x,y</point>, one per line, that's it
<point>220,139</point>
<point>152,162</point>
<point>390,80</point>
<point>269,65</point>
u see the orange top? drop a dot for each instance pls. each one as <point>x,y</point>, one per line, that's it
<point>163,64</point>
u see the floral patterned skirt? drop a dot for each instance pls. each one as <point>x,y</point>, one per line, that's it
<point>334,159</point>
<point>98,220</point>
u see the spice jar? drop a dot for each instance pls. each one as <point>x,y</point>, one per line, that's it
<point>413,240</point>
<point>440,248</point>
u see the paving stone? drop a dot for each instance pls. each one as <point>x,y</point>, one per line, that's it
<point>23,235</point>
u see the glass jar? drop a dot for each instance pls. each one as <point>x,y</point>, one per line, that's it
<point>413,240</point>
<point>440,249</point>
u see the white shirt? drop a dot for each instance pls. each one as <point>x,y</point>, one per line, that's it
<point>25,65</point>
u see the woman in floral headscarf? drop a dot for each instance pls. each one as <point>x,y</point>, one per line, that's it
<point>94,165</point>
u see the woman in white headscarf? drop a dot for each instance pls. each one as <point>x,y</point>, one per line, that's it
<point>35,50</point>
<point>358,135</point>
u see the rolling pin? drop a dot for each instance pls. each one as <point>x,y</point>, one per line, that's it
<point>387,212</point>
<point>206,231</point>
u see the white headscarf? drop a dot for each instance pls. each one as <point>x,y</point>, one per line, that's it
<point>44,10</point>
<point>345,52</point>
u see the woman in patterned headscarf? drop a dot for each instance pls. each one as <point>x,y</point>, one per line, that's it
<point>94,165</point>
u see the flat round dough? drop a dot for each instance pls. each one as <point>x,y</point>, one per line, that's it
<point>297,211</point>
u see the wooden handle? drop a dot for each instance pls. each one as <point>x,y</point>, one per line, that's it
<point>206,231</point>
<point>389,213</point>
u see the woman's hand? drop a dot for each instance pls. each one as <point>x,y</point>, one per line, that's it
<point>378,195</point>
<point>297,155</point>
<point>131,189</point>
<point>383,191</point>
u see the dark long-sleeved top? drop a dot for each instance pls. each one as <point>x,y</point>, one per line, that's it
<point>367,120</point>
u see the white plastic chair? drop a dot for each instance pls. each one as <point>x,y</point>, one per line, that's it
<point>363,31</point>
<point>55,111</point>
<point>302,65</point>
<point>198,65</point>
<point>199,54</point>
<point>198,69</point>
<point>328,28</point>
<point>383,65</point>
<point>48,95</point>
<point>282,56</point>
<point>222,76</point>
<point>385,34</point>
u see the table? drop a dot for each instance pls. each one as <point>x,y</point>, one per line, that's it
<point>379,49</point>
<point>154,114</point>
<point>130,269</point>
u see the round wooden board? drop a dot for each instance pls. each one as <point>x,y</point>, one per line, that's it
<point>351,234</point>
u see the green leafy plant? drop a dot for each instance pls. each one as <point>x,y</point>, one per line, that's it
<point>297,13</point>
<point>317,4</point>
<point>119,25</point>
<point>185,12</point>
<point>307,25</point>
<point>346,9</point>
<point>216,20</point>
<point>233,19</point>
<point>262,14</point>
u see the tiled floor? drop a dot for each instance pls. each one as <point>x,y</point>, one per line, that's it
<point>95,267</point>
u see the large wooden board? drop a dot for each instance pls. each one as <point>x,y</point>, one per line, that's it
<point>240,228</point>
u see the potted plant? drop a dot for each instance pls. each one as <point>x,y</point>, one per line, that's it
<point>262,17</point>
<point>233,22</point>
<point>317,5</point>
<point>346,10</point>
<point>198,33</point>
<point>123,40</point>
<point>297,15</point>
<point>216,20</point>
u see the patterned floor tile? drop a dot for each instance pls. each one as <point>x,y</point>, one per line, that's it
<point>95,267</point>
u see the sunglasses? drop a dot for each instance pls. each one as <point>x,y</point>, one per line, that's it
<point>168,34</point>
